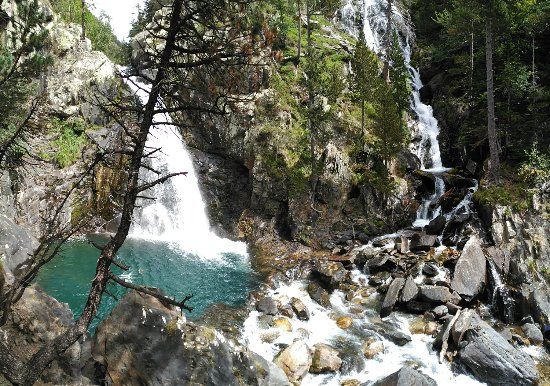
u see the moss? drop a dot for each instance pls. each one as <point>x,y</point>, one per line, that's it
<point>71,140</point>
<point>513,195</point>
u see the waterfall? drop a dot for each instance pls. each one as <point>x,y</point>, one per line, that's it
<point>177,215</point>
<point>501,301</point>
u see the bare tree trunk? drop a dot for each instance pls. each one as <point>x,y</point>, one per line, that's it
<point>83,20</point>
<point>386,69</point>
<point>312,130</point>
<point>494,167</point>
<point>40,360</point>
<point>300,30</point>
<point>472,62</point>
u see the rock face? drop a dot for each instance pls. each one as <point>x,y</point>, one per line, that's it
<point>295,360</point>
<point>407,376</point>
<point>325,359</point>
<point>143,342</point>
<point>489,356</point>
<point>16,244</point>
<point>471,270</point>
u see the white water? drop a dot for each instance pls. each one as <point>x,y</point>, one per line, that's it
<point>178,213</point>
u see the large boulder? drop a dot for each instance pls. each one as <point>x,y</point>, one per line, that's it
<point>409,291</point>
<point>391,296</point>
<point>488,355</point>
<point>470,273</point>
<point>295,361</point>
<point>330,274</point>
<point>435,227</point>
<point>319,294</point>
<point>421,242</point>
<point>145,342</point>
<point>406,376</point>
<point>325,359</point>
<point>435,294</point>
<point>16,245</point>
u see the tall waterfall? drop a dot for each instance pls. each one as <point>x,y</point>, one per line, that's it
<point>375,31</point>
<point>177,215</point>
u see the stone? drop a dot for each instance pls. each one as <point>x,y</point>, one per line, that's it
<point>391,296</point>
<point>379,278</point>
<point>470,273</point>
<point>435,294</point>
<point>372,347</point>
<point>319,294</point>
<point>283,324</point>
<point>350,382</point>
<point>420,242</point>
<point>144,342</point>
<point>287,311</point>
<point>406,376</point>
<point>344,322</point>
<point>440,311</point>
<point>430,269</point>
<point>409,291</point>
<point>533,333</point>
<point>395,336</point>
<point>330,274</point>
<point>383,263</point>
<point>267,306</point>
<point>325,359</point>
<point>489,356</point>
<point>295,361</point>
<point>300,309</point>
<point>435,227</point>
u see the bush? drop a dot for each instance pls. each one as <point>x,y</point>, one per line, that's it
<point>70,142</point>
<point>536,169</point>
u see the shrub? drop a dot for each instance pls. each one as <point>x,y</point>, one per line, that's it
<point>70,142</point>
<point>536,169</point>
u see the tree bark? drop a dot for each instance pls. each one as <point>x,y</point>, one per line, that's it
<point>494,166</point>
<point>299,31</point>
<point>386,69</point>
<point>83,20</point>
<point>362,116</point>
<point>53,349</point>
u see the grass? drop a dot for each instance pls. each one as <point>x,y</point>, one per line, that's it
<point>71,140</point>
<point>512,194</point>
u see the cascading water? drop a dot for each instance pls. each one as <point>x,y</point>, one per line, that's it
<point>502,301</point>
<point>178,214</point>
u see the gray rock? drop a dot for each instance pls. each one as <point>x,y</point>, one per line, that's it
<point>533,333</point>
<point>440,311</point>
<point>409,291</point>
<point>435,227</point>
<point>295,361</point>
<point>325,359</point>
<point>435,294</point>
<point>489,356</point>
<point>319,294</point>
<point>470,271</point>
<point>16,244</point>
<point>539,303</point>
<point>381,263</point>
<point>430,269</point>
<point>267,305</point>
<point>330,273</point>
<point>395,336</point>
<point>406,376</point>
<point>420,242</point>
<point>391,296</point>
<point>299,308</point>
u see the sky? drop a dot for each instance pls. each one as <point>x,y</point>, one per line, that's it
<point>121,12</point>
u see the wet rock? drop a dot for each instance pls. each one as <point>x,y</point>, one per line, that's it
<point>267,306</point>
<point>409,291</point>
<point>488,355</point>
<point>435,294</point>
<point>420,242</point>
<point>319,294</point>
<point>372,347</point>
<point>344,322</point>
<point>539,304</point>
<point>365,255</point>
<point>283,324</point>
<point>430,269</point>
<point>395,336</point>
<point>287,311</point>
<point>299,308</point>
<point>470,271</point>
<point>384,263</point>
<point>143,342</point>
<point>533,333</point>
<point>325,359</point>
<point>379,279</point>
<point>407,376</point>
<point>391,296</point>
<point>295,361</point>
<point>457,181</point>
<point>421,326</point>
<point>440,311</point>
<point>418,307</point>
<point>350,382</point>
<point>403,245</point>
<point>435,227</point>
<point>329,274</point>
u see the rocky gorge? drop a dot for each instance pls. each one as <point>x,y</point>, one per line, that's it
<point>351,292</point>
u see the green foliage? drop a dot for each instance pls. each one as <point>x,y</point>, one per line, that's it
<point>70,141</point>
<point>400,77</point>
<point>514,195</point>
<point>98,30</point>
<point>536,169</point>
<point>365,79</point>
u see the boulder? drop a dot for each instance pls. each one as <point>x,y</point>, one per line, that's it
<point>299,308</point>
<point>470,271</point>
<point>406,376</point>
<point>344,322</point>
<point>391,296</point>
<point>435,227</point>
<point>282,324</point>
<point>325,359</point>
<point>295,361</point>
<point>430,269</point>
<point>318,294</point>
<point>394,335</point>
<point>372,347</point>
<point>383,263</point>
<point>489,356</point>
<point>421,242</point>
<point>267,305</point>
<point>144,342</point>
<point>330,274</point>
<point>435,294</point>
<point>533,333</point>
<point>409,291</point>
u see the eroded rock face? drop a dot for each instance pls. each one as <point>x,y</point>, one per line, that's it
<point>470,273</point>
<point>144,342</point>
